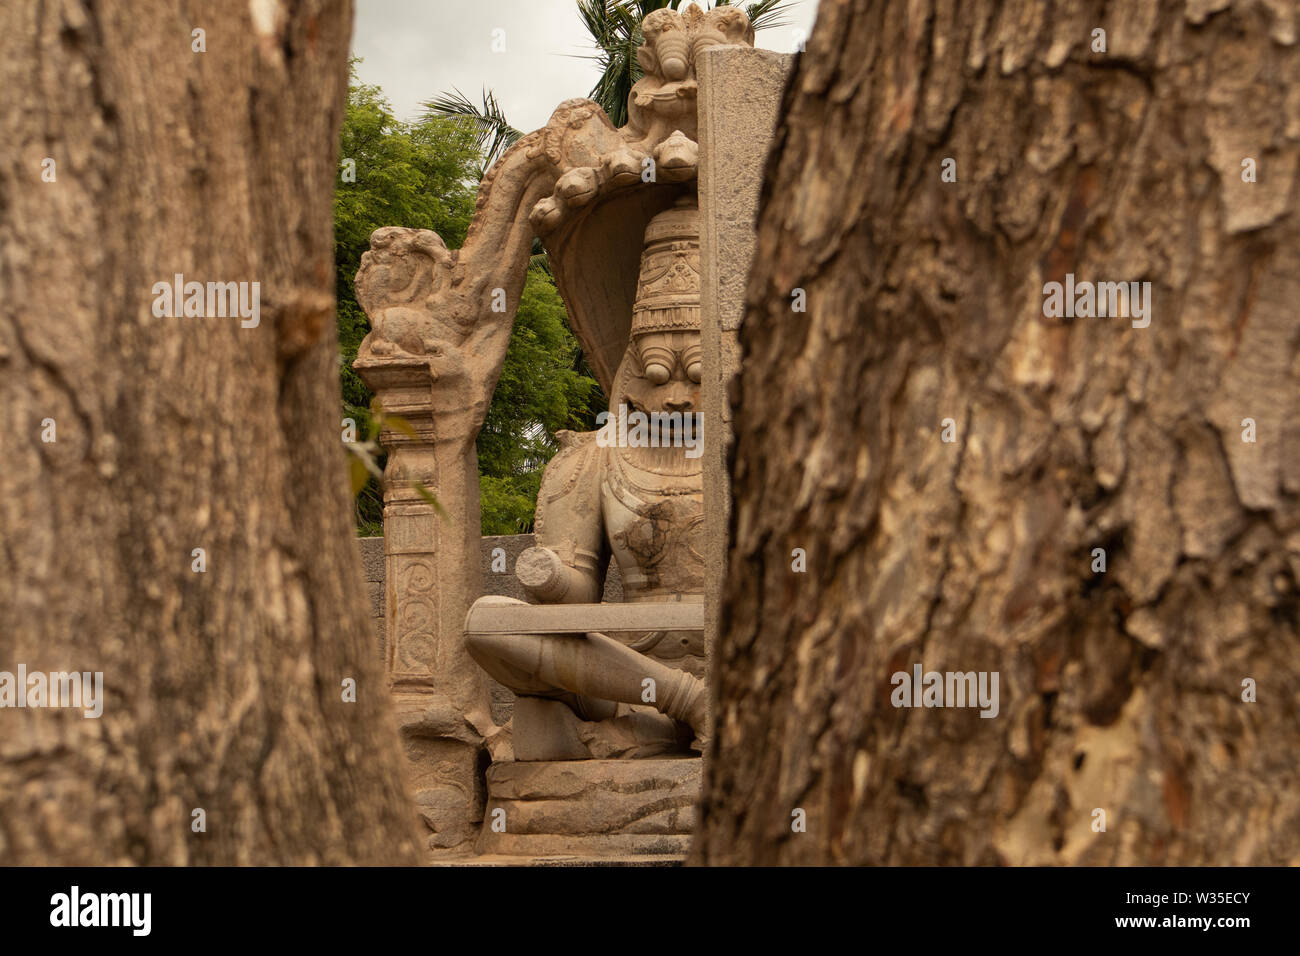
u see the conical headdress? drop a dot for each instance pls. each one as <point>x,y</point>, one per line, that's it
<point>668,290</point>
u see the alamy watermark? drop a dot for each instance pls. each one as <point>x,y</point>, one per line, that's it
<point>1086,300</point>
<point>947,689</point>
<point>213,300</point>
<point>80,689</point>
<point>75,908</point>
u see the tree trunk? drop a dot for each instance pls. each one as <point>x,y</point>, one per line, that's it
<point>223,688</point>
<point>1121,690</point>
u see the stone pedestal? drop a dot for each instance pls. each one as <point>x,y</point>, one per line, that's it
<point>591,810</point>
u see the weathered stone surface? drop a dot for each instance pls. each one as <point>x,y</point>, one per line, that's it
<point>740,100</point>
<point>501,580</point>
<point>543,848</point>
<point>592,807</point>
<point>549,730</point>
<point>372,563</point>
<point>375,591</point>
<point>491,618</point>
<point>372,558</point>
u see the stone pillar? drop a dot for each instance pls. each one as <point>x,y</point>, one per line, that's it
<point>740,91</point>
<point>432,575</point>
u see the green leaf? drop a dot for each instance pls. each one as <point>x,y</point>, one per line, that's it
<point>428,496</point>
<point>400,424</point>
<point>360,475</point>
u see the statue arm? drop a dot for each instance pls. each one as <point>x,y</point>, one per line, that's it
<point>566,565</point>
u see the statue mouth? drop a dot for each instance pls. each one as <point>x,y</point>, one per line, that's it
<point>668,428</point>
<point>670,92</point>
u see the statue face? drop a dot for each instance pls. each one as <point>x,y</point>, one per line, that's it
<point>664,372</point>
<point>660,378</point>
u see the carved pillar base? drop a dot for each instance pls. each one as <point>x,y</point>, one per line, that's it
<point>433,574</point>
<point>443,757</point>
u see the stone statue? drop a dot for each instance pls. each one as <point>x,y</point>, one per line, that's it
<point>639,496</point>
<point>441,322</point>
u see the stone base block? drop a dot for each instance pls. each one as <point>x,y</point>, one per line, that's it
<point>591,808</point>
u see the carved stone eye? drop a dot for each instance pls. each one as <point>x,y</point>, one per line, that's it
<point>657,373</point>
<point>694,371</point>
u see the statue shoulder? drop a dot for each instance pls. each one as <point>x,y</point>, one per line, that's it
<point>576,463</point>
<point>570,439</point>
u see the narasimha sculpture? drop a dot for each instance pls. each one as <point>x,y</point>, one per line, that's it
<point>636,694</point>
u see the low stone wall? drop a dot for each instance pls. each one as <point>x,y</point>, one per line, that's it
<point>494,582</point>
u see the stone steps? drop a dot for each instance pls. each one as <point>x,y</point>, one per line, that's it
<point>590,812</point>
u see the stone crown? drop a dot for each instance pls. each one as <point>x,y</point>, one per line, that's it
<point>668,290</point>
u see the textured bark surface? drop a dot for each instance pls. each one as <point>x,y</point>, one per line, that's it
<point>223,689</point>
<point>1119,691</point>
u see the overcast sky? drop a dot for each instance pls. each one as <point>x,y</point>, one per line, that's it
<point>415,49</point>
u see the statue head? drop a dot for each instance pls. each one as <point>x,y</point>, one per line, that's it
<point>662,366</point>
<point>673,38</point>
<point>403,272</point>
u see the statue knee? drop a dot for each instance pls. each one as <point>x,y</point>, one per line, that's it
<point>490,648</point>
<point>511,659</point>
<point>485,648</point>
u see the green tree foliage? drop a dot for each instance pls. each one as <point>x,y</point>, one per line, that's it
<point>425,175</point>
<point>543,388</point>
<point>420,175</point>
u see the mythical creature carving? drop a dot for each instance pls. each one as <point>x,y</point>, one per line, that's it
<point>659,141</point>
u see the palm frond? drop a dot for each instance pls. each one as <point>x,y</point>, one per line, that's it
<point>615,29</point>
<point>495,134</point>
<point>769,14</point>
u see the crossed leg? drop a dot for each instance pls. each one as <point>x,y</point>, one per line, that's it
<point>590,672</point>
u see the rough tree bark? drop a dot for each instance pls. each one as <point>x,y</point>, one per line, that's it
<point>223,689</point>
<point>1120,690</point>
